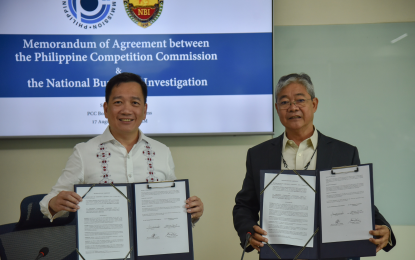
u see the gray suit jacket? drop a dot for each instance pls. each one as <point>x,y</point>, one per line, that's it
<point>267,156</point>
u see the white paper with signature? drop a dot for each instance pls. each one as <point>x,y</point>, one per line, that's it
<point>288,209</point>
<point>161,219</point>
<point>346,211</point>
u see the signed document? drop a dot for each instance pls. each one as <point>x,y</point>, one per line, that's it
<point>161,218</point>
<point>288,209</point>
<point>103,224</point>
<point>346,209</point>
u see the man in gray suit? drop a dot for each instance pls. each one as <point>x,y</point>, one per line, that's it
<point>300,147</point>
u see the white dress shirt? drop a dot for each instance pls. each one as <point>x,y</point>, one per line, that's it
<point>104,160</point>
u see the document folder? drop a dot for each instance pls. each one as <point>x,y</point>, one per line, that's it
<point>131,188</point>
<point>356,248</point>
<point>320,250</point>
<point>289,251</point>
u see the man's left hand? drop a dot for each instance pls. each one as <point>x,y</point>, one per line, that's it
<point>382,236</point>
<point>195,207</point>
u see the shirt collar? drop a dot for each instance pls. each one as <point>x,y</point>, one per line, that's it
<point>313,139</point>
<point>142,136</point>
<point>108,137</point>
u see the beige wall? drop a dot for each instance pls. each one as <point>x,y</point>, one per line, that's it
<point>214,165</point>
<point>318,12</point>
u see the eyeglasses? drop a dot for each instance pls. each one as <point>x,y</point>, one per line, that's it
<point>299,103</point>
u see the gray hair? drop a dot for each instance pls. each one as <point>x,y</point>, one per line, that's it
<point>301,78</point>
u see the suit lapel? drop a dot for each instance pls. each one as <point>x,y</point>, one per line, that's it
<point>324,152</point>
<point>274,159</point>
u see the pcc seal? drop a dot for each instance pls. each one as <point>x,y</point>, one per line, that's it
<point>143,12</point>
<point>89,14</point>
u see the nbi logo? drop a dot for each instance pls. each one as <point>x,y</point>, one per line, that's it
<point>89,14</point>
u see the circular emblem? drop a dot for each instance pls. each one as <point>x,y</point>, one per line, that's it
<point>92,14</point>
<point>143,12</point>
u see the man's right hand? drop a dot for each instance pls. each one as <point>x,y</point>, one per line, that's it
<point>257,238</point>
<point>65,200</point>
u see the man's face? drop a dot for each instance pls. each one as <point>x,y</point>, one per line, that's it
<point>296,118</point>
<point>125,109</point>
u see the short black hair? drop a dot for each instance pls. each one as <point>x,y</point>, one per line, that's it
<point>123,78</point>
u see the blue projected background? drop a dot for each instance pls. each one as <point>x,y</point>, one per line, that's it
<point>196,68</point>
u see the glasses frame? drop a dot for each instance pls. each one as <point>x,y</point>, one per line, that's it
<point>293,103</point>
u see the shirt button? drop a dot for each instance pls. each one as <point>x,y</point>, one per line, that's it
<point>129,175</point>
<point>299,154</point>
<point>128,156</point>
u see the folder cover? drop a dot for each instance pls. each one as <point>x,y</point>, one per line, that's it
<point>320,250</point>
<point>132,222</point>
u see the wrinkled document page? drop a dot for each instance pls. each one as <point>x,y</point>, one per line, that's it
<point>346,209</point>
<point>103,227</point>
<point>288,209</point>
<point>161,215</point>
